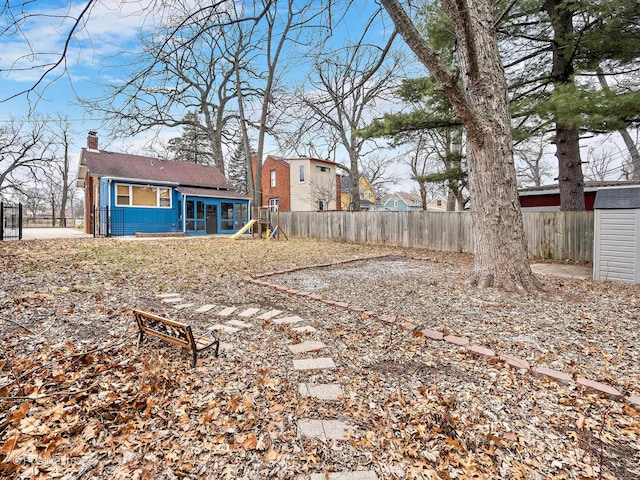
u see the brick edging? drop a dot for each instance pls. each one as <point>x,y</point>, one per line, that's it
<point>462,342</point>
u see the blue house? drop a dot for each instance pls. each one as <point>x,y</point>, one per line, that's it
<point>402,202</point>
<point>133,194</point>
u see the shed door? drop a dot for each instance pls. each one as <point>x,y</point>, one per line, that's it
<point>615,245</point>
<point>212,219</point>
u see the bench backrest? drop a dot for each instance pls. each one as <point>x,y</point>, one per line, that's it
<point>169,330</point>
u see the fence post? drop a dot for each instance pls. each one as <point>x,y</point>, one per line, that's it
<point>19,221</point>
<point>1,221</point>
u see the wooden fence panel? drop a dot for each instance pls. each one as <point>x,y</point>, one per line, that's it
<point>551,235</point>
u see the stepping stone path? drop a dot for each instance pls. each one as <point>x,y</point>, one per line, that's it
<point>239,324</point>
<point>249,312</point>
<point>314,428</point>
<point>182,306</point>
<point>270,314</point>
<point>218,327</point>
<point>227,311</point>
<point>314,364</point>
<point>287,320</point>
<point>310,346</point>
<point>321,391</point>
<point>205,308</point>
<point>172,300</point>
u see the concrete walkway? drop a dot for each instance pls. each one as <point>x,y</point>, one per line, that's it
<point>52,232</point>
<point>562,270</point>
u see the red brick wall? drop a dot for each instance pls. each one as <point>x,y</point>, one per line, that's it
<point>282,189</point>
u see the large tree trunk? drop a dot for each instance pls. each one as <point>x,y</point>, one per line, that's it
<point>501,258</point>
<point>570,180</point>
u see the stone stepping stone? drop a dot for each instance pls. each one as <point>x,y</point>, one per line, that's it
<point>239,324</point>
<point>321,391</point>
<point>314,364</point>
<point>304,329</point>
<point>287,320</point>
<point>182,306</point>
<point>355,475</point>
<point>270,314</point>
<point>205,308</point>
<point>224,328</point>
<point>167,295</point>
<point>172,300</point>
<point>249,312</point>
<point>323,429</point>
<point>304,347</point>
<point>227,311</point>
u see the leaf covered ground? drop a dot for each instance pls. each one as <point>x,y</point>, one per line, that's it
<point>79,400</point>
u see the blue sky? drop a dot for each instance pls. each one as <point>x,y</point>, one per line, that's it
<point>96,56</point>
<point>98,42</point>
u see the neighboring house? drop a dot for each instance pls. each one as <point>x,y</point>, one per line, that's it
<point>402,202</point>
<point>128,194</point>
<point>299,184</point>
<point>366,193</point>
<point>437,204</point>
<point>547,197</point>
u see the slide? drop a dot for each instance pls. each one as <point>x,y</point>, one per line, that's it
<point>242,230</point>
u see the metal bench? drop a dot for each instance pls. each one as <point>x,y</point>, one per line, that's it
<point>174,332</point>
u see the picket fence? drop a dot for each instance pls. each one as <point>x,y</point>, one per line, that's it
<point>550,235</point>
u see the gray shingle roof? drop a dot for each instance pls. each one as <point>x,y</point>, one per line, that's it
<point>142,168</point>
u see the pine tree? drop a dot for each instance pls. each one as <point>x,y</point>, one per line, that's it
<point>193,145</point>
<point>237,170</point>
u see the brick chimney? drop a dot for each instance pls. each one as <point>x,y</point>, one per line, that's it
<point>92,140</point>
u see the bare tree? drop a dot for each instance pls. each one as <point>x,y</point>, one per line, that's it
<point>478,93</point>
<point>339,98</point>
<point>60,166</point>
<point>531,165</point>
<point>603,164</point>
<point>375,167</point>
<point>24,150</point>
<point>186,78</point>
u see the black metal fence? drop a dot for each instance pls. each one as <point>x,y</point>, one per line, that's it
<point>10,222</point>
<point>108,222</point>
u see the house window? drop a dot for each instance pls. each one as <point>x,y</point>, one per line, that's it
<point>274,204</point>
<point>395,204</point>
<point>122,195</point>
<point>273,178</point>
<point>439,203</point>
<point>194,220</point>
<point>227,216</point>
<point>301,170</point>
<point>323,169</point>
<point>320,205</point>
<point>361,193</point>
<point>241,216</point>
<point>142,196</point>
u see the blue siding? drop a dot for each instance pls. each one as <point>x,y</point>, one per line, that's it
<point>165,220</point>
<point>143,219</point>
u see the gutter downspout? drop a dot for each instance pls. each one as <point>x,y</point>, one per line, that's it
<point>184,213</point>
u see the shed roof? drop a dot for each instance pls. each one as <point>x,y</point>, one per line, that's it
<point>617,198</point>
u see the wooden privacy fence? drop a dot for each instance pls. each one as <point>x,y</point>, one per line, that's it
<point>551,235</point>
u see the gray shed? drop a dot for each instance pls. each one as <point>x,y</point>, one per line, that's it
<point>616,245</point>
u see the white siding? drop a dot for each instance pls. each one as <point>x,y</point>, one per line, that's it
<point>616,245</point>
<point>316,186</point>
